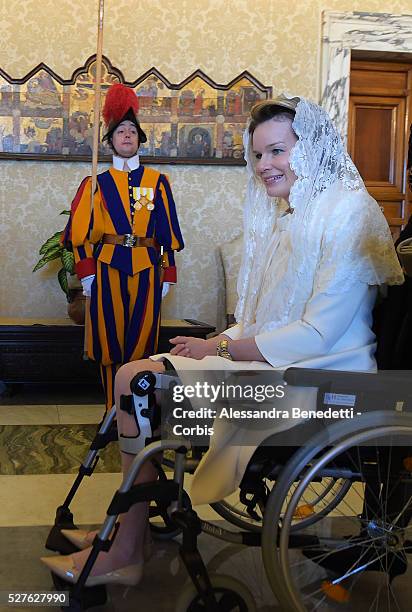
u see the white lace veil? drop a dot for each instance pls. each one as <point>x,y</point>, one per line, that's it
<point>337,231</point>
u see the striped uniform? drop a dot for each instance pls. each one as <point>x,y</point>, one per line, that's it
<point>126,294</point>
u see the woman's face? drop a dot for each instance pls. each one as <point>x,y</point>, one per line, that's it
<point>125,139</point>
<point>272,143</point>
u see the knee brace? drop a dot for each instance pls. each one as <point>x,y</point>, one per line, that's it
<point>142,405</point>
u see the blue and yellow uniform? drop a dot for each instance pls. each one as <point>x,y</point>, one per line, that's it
<point>126,293</point>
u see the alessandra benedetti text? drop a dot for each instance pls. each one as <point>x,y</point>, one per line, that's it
<point>273,413</point>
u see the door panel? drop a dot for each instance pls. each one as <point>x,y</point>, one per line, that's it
<point>375,79</point>
<point>373,158</point>
<point>377,142</point>
<point>393,209</point>
<point>380,108</point>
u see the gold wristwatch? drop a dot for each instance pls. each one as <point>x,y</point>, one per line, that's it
<point>223,351</point>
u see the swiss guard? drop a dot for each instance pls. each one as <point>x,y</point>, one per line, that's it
<point>124,244</point>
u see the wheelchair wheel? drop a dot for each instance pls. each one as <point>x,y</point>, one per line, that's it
<point>319,500</point>
<point>231,596</point>
<point>353,556</point>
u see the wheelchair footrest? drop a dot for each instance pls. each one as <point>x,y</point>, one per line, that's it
<point>58,543</point>
<point>55,540</point>
<point>64,518</point>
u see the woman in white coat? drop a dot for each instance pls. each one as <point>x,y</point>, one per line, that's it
<point>316,246</point>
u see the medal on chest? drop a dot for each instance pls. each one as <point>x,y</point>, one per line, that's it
<point>143,197</point>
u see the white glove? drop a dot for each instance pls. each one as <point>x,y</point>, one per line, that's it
<point>87,282</point>
<point>165,289</point>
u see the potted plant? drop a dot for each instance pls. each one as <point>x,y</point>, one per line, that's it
<point>53,249</point>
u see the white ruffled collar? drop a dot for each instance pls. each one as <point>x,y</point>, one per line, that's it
<point>132,162</point>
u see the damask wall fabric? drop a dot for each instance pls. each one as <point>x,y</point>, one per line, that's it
<point>278,41</point>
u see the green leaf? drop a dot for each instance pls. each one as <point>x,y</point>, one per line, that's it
<point>51,243</point>
<point>62,278</point>
<point>68,261</point>
<point>42,262</point>
<point>53,253</point>
<point>65,212</point>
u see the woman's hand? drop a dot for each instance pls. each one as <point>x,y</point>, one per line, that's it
<point>195,348</point>
<point>244,349</point>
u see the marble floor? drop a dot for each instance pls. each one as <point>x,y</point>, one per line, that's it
<point>44,435</point>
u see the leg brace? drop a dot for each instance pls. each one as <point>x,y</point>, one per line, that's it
<point>142,405</point>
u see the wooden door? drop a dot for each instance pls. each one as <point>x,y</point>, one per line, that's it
<point>380,113</point>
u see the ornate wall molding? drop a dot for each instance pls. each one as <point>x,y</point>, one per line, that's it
<point>45,117</point>
<point>344,32</point>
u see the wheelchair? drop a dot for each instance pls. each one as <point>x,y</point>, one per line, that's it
<point>327,515</point>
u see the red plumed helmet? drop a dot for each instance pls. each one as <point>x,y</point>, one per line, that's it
<point>119,99</point>
<point>121,103</point>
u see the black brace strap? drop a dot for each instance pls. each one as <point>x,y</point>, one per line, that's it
<point>127,404</point>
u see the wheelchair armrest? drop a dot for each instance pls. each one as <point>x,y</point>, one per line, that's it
<point>308,377</point>
<point>386,381</point>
